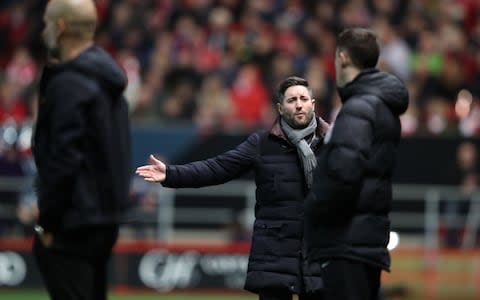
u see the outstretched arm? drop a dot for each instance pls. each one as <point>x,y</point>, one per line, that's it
<point>212,171</point>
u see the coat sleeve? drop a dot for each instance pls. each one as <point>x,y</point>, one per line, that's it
<point>342,166</point>
<point>216,170</point>
<point>67,96</point>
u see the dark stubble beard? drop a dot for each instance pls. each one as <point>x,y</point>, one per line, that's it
<point>290,119</point>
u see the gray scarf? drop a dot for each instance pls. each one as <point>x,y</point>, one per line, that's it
<point>297,137</point>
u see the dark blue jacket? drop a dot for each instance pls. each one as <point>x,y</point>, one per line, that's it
<point>277,242</point>
<point>348,207</point>
<point>81,143</point>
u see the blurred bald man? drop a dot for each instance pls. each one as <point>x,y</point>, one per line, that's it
<point>82,152</point>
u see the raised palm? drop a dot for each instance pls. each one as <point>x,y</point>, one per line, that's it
<point>155,172</point>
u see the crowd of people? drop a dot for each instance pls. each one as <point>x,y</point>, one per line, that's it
<point>216,64</point>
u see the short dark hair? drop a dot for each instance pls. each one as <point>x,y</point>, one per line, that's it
<point>291,81</point>
<point>361,46</point>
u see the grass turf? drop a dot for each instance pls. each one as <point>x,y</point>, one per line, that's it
<point>41,295</point>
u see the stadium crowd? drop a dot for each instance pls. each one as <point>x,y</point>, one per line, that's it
<point>215,64</point>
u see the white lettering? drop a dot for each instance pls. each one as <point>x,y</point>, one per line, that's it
<point>224,264</point>
<point>233,268</point>
<point>164,271</point>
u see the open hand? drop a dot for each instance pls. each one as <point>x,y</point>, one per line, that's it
<point>155,172</point>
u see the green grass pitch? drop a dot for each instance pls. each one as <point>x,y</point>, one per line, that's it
<point>41,295</point>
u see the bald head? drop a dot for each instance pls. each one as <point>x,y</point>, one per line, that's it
<point>79,17</point>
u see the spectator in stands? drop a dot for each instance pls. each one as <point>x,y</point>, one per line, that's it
<point>283,160</point>
<point>466,176</point>
<point>131,67</point>
<point>82,153</point>
<point>438,118</point>
<point>395,57</point>
<point>249,98</point>
<point>214,103</point>
<point>21,70</point>
<point>179,104</point>
<point>346,212</point>
<point>12,107</point>
<point>322,85</point>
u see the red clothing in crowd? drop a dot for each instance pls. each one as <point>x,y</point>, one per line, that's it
<point>249,95</point>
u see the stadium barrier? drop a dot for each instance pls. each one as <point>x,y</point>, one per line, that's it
<point>424,268</point>
<point>144,265</point>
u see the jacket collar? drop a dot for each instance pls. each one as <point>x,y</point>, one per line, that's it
<point>349,89</point>
<point>322,128</point>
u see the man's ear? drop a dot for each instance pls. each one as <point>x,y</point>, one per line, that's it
<point>280,108</point>
<point>344,59</point>
<point>313,102</point>
<point>61,26</point>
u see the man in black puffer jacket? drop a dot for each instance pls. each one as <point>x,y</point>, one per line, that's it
<point>347,222</point>
<point>283,160</point>
<point>82,152</point>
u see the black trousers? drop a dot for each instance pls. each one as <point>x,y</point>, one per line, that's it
<point>349,280</point>
<point>75,266</point>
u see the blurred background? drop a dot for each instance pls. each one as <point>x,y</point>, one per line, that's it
<point>202,77</point>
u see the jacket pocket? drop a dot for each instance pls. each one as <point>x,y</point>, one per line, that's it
<point>268,228</point>
<point>266,240</point>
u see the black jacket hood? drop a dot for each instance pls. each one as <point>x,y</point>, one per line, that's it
<point>96,63</point>
<point>386,86</point>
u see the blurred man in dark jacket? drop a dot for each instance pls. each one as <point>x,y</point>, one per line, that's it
<point>347,222</point>
<point>82,151</point>
<point>283,160</point>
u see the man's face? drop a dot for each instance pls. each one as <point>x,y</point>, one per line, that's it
<point>297,107</point>
<point>50,32</point>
